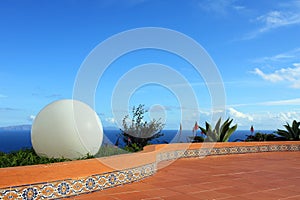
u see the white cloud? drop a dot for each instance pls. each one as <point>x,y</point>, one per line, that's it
<point>206,113</point>
<point>261,120</point>
<point>272,120</point>
<point>293,102</point>
<point>220,7</point>
<point>290,75</point>
<point>158,108</point>
<point>285,102</point>
<point>276,19</point>
<point>237,115</point>
<point>110,120</point>
<point>282,15</point>
<point>239,8</point>
<point>242,119</point>
<point>269,77</point>
<point>31,118</point>
<point>285,57</point>
<point>9,109</point>
<point>288,116</point>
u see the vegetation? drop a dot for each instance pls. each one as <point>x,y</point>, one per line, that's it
<point>25,157</point>
<point>291,132</point>
<point>136,132</point>
<point>263,137</point>
<point>196,139</point>
<point>220,133</point>
<point>29,157</point>
<point>109,150</point>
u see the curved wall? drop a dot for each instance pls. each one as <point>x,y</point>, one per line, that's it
<point>73,178</point>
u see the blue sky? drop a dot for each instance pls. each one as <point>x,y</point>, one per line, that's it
<point>254,44</point>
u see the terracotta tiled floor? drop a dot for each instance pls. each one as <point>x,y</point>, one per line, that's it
<point>249,176</point>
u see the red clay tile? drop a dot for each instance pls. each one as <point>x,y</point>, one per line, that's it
<point>131,196</point>
<point>162,192</point>
<point>249,176</point>
<point>213,194</point>
<point>296,197</point>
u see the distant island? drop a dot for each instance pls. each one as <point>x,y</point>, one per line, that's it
<point>25,127</point>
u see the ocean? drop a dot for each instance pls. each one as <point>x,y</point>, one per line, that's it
<point>12,140</point>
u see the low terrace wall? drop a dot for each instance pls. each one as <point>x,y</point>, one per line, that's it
<point>58,180</point>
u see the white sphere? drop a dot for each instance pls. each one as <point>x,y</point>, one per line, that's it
<point>66,128</point>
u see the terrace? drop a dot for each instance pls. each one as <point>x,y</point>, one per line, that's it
<point>260,170</point>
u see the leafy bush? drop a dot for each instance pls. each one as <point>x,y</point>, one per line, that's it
<point>263,137</point>
<point>196,139</point>
<point>109,150</point>
<point>136,132</point>
<point>25,157</point>
<point>291,132</point>
<point>220,133</point>
<point>29,157</point>
<point>132,148</point>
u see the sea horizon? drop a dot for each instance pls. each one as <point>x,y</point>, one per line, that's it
<point>13,140</point>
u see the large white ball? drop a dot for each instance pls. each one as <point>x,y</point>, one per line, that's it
<point>66,128</point>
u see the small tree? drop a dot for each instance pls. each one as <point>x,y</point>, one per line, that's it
<point>220,133</point>
<point>291,132</point>
<point>136,132</point>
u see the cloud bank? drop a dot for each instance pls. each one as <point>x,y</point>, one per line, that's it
<point>290,75</point>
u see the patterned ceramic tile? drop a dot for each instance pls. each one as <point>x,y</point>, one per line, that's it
<point>264,148</point>
<point>30,193</point>
<point>70,187</point>
<point>254,149</point>
<point>295,147</point>
<point>233,150</point>
<point>204,152</point>
<point>273,148</point>
<point>47,191</point>
<point>90,184</point>
<point>77,186</point>
<point>10,194</point>
<point>243,149</point>
<point>224,151</point>
<point>214,151</point>
<point>283,147</point>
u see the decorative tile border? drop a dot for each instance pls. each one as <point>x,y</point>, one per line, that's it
<point>73,187</point>
<point>225,151</point>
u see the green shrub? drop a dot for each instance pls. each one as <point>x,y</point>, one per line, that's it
<point>25,157</point>
<point>196,139</point>
<point>132,148</point>
<point>137,132</point>
<point>109,150</point>
<point>29,157</point>
<point>220,133</point>
<point>263,137</point>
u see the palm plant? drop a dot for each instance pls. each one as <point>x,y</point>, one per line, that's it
<point>220,133</point>
<point>291,132</point>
